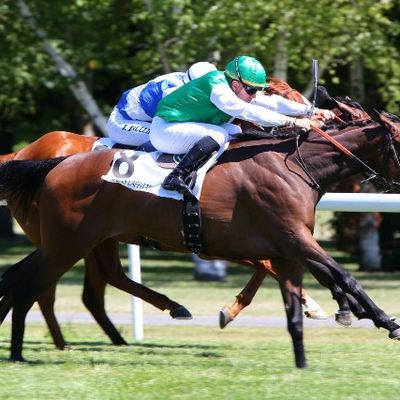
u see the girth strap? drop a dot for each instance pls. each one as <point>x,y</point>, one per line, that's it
<point>191,221</point>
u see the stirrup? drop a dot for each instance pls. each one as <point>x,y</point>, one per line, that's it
<point>177,184</point>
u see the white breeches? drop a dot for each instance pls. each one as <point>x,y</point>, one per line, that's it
<point>127,131</point>
<point>179,137</point>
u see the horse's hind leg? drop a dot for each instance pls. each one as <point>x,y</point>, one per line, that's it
<point>108,263</point>
<point>329,271</point>
<point>93,298</point>
<point>290,282</point>
<point>228,313</point>
<point>46,303</point>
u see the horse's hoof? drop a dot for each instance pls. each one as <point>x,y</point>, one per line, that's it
<point>343,318</point>
<point>224,317</point>
<point>17,359</point>
<point>119,342</point>
<point>180,313</point>
<point>317,313</point>
<point>395,335</point>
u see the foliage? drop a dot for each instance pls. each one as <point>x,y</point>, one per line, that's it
<point>114,45</point>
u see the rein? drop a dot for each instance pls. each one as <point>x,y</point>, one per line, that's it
<point>382,182</point>
<point>314,184</point>
<point>343,149</point>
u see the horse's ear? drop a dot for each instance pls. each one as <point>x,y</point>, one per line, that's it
<point>352,113</point>
<point>389,121</point>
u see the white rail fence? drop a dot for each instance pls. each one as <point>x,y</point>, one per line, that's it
<point>346,202</point>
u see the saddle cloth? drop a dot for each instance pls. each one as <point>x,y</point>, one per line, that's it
<point>145,171</point>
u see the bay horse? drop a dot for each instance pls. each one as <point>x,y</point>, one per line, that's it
<point>99,271</point>
<point>264,208</point>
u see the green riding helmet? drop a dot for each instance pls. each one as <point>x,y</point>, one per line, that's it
<point>247,70</point>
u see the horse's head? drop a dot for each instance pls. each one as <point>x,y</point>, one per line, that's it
<point>346,108</point>
<point>392,124</point>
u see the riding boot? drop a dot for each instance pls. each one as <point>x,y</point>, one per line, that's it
<point>194,159</point>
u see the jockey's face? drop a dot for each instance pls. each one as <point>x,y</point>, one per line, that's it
<point>245,93</point>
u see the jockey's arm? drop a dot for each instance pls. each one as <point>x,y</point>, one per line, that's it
<point>281,105</point>
<point>288,107</point>
<point>227,101</point>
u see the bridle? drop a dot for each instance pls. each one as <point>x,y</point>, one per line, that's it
<point>392,149</point>
<point>381,182</point>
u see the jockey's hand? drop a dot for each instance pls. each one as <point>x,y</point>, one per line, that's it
<point>304,123</point>
<point>324,115</point>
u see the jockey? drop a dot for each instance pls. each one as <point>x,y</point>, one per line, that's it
<point>195,118</point>
<point>129,122</point>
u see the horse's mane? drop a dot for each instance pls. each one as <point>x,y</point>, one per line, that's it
<point>282,88</point>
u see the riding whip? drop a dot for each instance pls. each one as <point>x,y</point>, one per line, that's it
<point>315,77</point>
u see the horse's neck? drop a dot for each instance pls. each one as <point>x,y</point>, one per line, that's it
<point>329,165</point>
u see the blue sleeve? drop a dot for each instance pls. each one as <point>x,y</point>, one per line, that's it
<point>152,94</point>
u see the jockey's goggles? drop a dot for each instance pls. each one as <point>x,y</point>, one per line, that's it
<point>251,90</point>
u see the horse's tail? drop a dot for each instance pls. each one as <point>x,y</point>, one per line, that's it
<point>20,180</point>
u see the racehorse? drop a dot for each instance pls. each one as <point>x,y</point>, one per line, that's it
<point>100,271</point>
<point>264,208</point>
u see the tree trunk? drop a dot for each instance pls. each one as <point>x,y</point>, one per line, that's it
<point>368,239</point>
<point>357,88</point>
<point>77,87</point>
<point>160,47</point>
<point>281,57</point>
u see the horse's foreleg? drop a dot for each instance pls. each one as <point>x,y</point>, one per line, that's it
<point>23,300</point>
<point>290,281</point>
<point>109,265</point>
<point>46,303</point>
<point>93,298</point>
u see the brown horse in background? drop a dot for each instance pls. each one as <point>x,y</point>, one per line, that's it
<point>264,209</point>
<point>103,265</point>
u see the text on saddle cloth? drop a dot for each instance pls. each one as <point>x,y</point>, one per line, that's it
<point>138,170</point>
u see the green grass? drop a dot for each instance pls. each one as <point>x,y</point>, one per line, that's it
<point>203,362</point>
